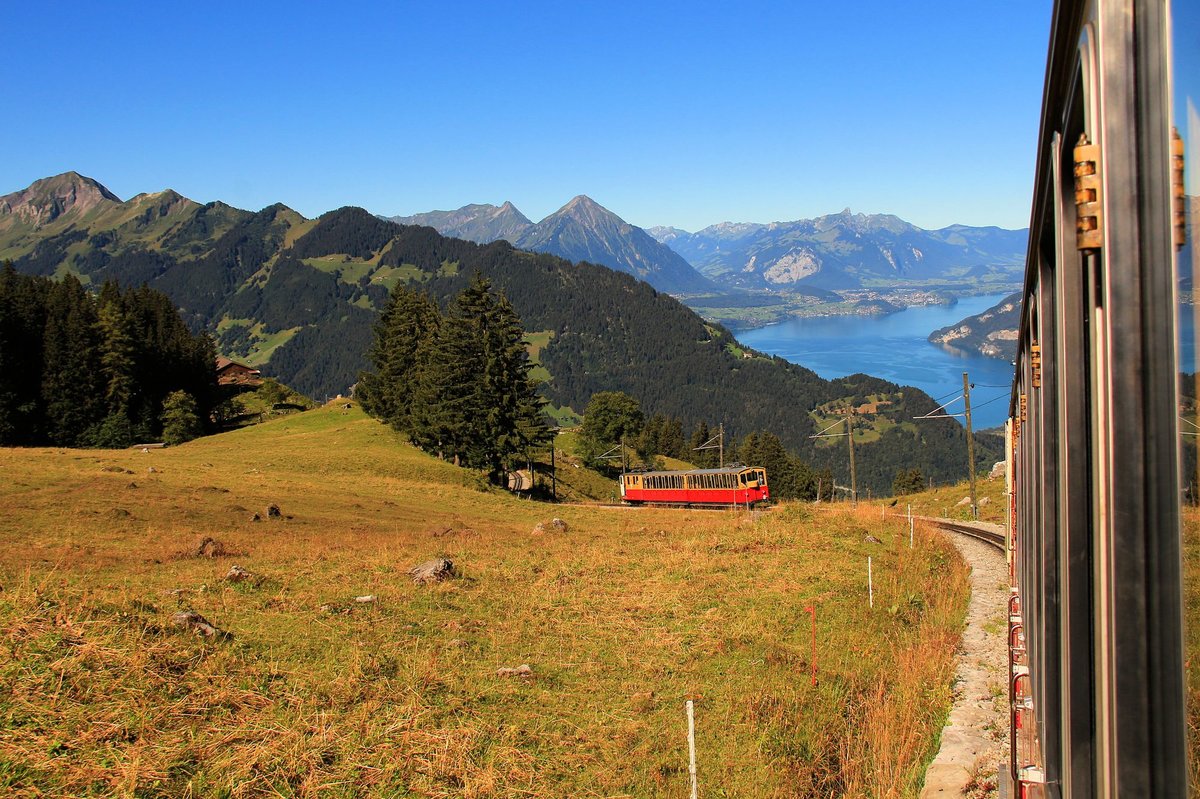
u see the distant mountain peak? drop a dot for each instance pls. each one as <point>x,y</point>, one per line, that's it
<point>45,200</point>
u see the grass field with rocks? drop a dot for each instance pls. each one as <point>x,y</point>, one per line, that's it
<point>620,617</point>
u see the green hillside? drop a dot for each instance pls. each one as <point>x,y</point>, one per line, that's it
<point>299,297</point>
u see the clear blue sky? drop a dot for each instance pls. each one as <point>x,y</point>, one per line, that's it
<point>666,113</point>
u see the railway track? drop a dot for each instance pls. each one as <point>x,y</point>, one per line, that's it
<point>986,536</point>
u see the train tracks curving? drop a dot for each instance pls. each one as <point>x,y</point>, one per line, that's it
<point>986,536</point>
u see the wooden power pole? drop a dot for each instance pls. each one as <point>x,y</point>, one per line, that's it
<point>853,471</point>
<point>970,446</point>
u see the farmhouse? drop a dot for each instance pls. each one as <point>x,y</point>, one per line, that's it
<point>232,373</point>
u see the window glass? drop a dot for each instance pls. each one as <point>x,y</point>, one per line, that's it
<point>1185,174</point>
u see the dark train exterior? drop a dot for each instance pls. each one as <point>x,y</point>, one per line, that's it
<point>732,485</point>
<point>1098,490</point>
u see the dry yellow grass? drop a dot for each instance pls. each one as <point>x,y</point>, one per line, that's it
<point>943,501</point>
<point>621,619</point>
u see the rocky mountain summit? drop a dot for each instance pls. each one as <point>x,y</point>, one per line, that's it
<point>847,250</point>
<point>582,230</point>
<point>48,199</point>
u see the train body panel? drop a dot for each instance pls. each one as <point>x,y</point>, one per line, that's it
<point>1096,650</point>
<point>731,485</point>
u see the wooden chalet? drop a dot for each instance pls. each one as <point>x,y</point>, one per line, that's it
<point>232,373</point>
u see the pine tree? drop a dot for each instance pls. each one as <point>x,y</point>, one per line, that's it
<point>117,352</point>
<point>22,327</point>
<point>473,400</point>
<point>405,327</point>
<point>70,380</point>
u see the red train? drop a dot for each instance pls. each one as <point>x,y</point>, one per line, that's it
<point>730,485</point>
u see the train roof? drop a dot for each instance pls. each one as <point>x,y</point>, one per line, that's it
<point>736,468</point>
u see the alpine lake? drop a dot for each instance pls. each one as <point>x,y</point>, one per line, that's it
<point>896,347</point>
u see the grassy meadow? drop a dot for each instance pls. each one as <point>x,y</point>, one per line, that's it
<point>621,618</point>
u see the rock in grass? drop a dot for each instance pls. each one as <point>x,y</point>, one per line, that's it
<point>273,511</point>
<point>870,539</point>
<point>210,548</point>
<point>366,599</point>
<point>555,525</point>
<point>193,621</point>
<point>962,503</point>
<point>523,671</point>
<point>432,571</point>
<point>237,574</point>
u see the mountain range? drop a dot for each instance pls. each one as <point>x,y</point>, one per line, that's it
<point>582,230</point>
<point>848,250</point>
<point>298,298</point>
<point>833,252</point>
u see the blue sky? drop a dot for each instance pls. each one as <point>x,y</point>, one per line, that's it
<point>666,113</point>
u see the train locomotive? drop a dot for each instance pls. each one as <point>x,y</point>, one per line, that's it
<point>732,485</point>
<point>1103,413</point>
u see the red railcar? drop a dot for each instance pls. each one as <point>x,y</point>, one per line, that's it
<point>731,485</point>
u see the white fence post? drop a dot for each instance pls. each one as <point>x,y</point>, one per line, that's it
<point>691,746</point>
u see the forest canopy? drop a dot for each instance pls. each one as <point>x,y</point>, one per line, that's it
<point>83,369</point>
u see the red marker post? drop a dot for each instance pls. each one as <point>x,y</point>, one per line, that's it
<point>812,611</point>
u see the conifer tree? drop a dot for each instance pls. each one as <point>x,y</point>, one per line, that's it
<point>70,385</point>
<point>408,322</point>
<point>117,351</point>
<point>473,400</point>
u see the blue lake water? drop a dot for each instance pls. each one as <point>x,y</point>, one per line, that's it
<point>896,348</point>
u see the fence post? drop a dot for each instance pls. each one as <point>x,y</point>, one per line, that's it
<point>691,746</point>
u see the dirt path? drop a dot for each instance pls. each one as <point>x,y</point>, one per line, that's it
<point>975,738</point>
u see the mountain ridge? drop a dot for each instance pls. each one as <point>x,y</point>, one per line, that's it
<point>581,230</point>
<point>847,250</point>
<point>299,298</point>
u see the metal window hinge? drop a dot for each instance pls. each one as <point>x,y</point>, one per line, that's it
<point>1178,199</point>
<point>1089,216</point>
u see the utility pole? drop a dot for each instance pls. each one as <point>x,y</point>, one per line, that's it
<point>721,445</point>
<point>553,466</point>
<point>970,445</point>
<point>853,471</point>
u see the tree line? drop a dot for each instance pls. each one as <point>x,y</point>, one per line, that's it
<point>457,383</point>
<point>614,420</point>
<point>106,369</point>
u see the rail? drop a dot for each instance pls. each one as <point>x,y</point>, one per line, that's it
<point>989,537</point>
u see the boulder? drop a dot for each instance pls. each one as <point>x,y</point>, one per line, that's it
<point>523,671</point>
<point>193,621</point>
<point>432,571</point>
<point>210,548</point>
<point>237,574</point>
<point>963,503</point>
<point>273,511</point>
<point>998,470</point>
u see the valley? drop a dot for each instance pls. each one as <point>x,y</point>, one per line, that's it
<point>298,298</point>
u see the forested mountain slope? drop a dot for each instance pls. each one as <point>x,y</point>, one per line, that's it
<point>299,297</point>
